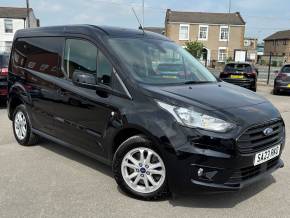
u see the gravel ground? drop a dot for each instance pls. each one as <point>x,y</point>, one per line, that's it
<point>49,180</point>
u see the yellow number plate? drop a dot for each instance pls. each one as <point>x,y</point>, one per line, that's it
<point>288,85</point>
<point>237,77</point>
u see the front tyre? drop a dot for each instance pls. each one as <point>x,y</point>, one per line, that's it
<point>139,170</point>
<point>22,127</point>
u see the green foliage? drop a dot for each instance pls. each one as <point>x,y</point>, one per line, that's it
<point>194,48</point>
<point>263,62</point>
<point>274,63</point>
<point>230,59</point>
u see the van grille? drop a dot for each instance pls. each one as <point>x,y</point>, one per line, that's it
<point>250,172</point>
<point>254,139</point>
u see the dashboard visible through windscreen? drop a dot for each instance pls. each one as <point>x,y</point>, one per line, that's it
<point>155,61</point>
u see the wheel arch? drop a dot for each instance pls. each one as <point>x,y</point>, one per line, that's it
<point>17,96</point>
<point>128,132</point>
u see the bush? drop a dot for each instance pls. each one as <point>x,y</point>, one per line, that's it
<point>194,48</point>
<point>263,62</point>
<point>274,63</point>
<point>230,59</point>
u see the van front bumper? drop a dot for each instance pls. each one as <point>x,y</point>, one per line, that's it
<point>205,170</point>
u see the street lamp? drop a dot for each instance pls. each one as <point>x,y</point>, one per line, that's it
<point>143,13</point>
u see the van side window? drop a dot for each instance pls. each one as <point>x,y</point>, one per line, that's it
<point>80,55</point>
<point>105,70</point>
<point>41,54</point>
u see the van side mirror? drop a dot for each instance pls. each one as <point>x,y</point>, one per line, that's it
<point>83,79</point>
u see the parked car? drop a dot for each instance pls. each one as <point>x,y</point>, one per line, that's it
<point>282,80</point>
<point>4,59</point>
<point>95,89</point>
<point>241,74</point>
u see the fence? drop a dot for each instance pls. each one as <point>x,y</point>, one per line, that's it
<point>267,67</point>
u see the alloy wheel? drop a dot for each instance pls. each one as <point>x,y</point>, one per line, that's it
<point>143,170</point>
<point>20,125</point>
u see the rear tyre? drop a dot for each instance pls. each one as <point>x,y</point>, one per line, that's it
<point>22,127</point>
<point>254,88</point>
<point>276,92</point>
<point>139,170</point>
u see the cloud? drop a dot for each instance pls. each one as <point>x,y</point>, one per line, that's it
<point>262,17</point>
<point>48,6</point>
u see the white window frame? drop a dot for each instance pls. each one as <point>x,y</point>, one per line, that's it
<point>184,25</point>
<point>222,48</point>
<point>5,21</point>
<point>224,27</point>
<point>203,39</point>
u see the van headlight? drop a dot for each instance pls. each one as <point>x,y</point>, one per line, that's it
<point>190,118</point>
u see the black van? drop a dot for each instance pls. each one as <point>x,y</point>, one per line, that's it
<point>112,94</point>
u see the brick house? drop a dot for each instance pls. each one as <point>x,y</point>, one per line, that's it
<point>159,30</point>
<point>12,19</point>
<point>279,45</point>
<point>220,33</point>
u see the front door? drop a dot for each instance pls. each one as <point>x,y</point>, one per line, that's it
<point>82,116</point>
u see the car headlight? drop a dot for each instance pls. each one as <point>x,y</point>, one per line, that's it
<point>190,118</point>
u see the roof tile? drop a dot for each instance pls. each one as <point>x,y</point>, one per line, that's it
<point>205,18</point>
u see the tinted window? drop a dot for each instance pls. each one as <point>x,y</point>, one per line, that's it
<point>104,70</point>
<point>4,59</point>
<point>80,55</point>
<point>286,69</point>
<point>40,54</point>
<point>84,56</point>
<point>238,67</point>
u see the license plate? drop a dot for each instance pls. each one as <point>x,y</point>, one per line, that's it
<point>266,155</point>
<point>288,85</point>
<point>237,76</point>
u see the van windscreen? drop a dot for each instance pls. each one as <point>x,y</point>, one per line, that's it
<point>157,62</point>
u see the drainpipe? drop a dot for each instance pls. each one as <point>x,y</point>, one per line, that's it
<point>27,11</point>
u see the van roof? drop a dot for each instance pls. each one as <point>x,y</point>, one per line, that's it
<point>87,29</point>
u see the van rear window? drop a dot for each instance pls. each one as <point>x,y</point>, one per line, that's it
<point>42,54</point>
<point>230,68</point>
<point>4,60</point>
<point>286,69</point>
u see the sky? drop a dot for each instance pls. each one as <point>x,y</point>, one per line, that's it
<point>263,17</point>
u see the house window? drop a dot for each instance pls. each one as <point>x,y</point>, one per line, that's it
<point>8,25</point>
<point>203,32</point>
<point>183,32</point>
<point>222,54</point>
<point>224,33</point>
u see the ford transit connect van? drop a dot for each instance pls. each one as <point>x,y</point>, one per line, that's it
<point>138,102</point>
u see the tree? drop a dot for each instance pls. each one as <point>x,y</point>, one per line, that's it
<point>194,48</point>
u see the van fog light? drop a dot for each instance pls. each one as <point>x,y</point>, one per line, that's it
<point>206,174</point>
<point>200,172</point>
